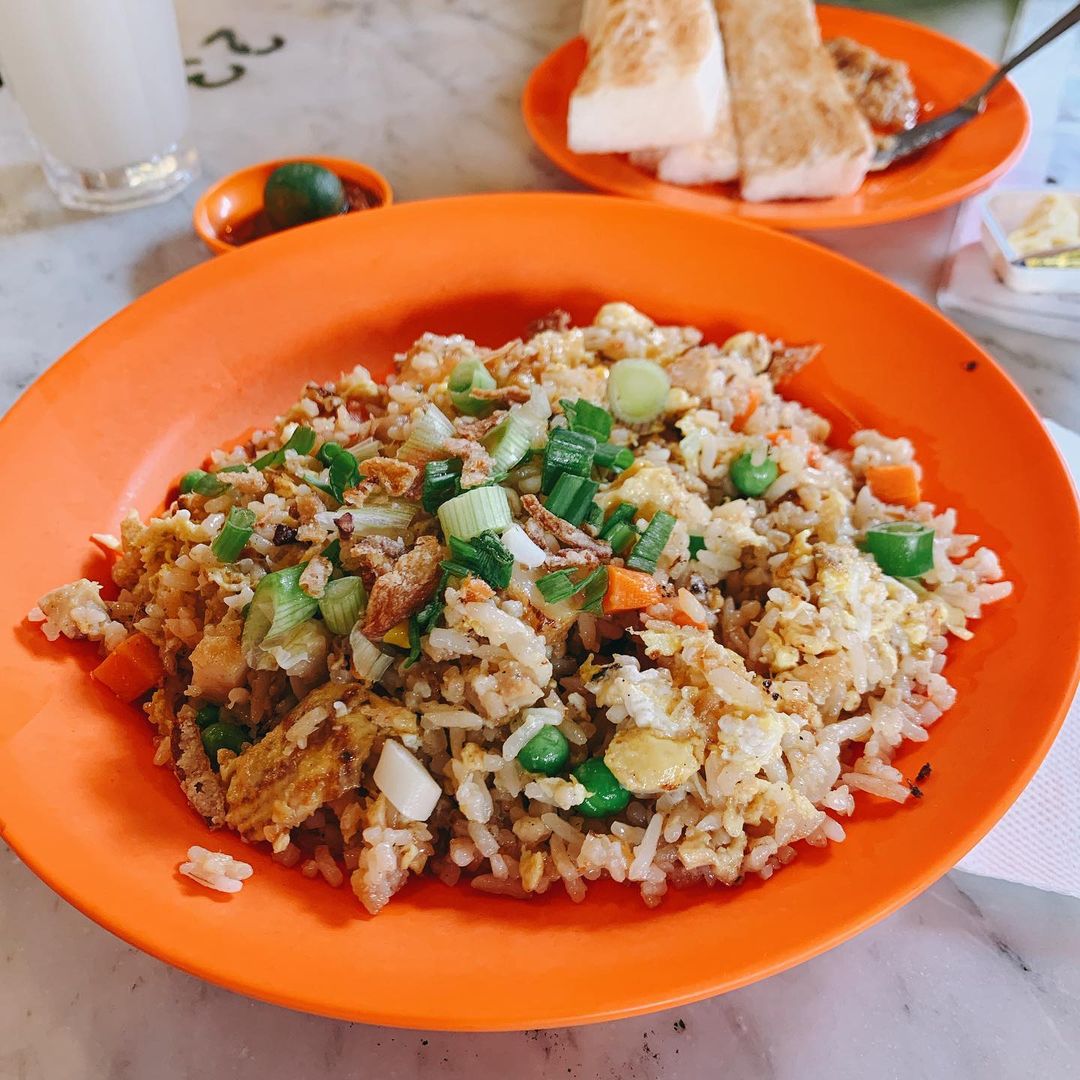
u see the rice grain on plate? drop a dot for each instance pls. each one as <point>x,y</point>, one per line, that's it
<point>472,623</point>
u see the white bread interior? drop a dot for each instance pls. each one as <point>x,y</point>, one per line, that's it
<point>653,77</point>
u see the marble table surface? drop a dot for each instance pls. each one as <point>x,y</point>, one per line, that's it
<point>976,978</point>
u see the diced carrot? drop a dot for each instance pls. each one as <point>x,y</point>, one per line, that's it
<point>783,434</point>
<point>132,668</point>
<point>630,590</point>
<point>681,618</point>
<point>894,484</point>
<point>743,416</point>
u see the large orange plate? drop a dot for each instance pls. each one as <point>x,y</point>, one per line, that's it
<point>229,343</point>
<point>944,72</point>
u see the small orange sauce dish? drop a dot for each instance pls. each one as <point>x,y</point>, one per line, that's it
<point>236,200</point>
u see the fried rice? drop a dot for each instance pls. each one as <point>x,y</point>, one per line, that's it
<point>770,674</point>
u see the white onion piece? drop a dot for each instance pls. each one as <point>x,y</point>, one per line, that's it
<point>405,782</point>
<point>525,552</point>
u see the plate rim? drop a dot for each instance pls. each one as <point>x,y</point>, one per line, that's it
<point>703,986</point>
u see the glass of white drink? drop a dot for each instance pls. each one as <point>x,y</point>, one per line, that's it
<point>102,85</point>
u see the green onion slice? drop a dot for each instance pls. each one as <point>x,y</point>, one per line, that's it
<point>609,456</point>
<point>475,511</point>
<point>486,556</point>
<point>442,481</point>
<point>470,375</point>
<point>556,587</point>
<point>369,448</point>
<point>697,545</point>
<point>202,483</point>
<point>902,548</point>
<point>594,516</point>
<point>587,418</point>
<point>652,543</point>
<point>430,430</point>
<point>342,603</point>
<point>508,443</point>
<point>369,662</point>
<point>592,591</point>
<point>278,607</point>
<point>620,537</point>
<point>385,517</point>
<point>572,497</point>
<point>622,514</point>
<point>234,535</point>
<point>637,390</point>
<point>566,452</point>
<point>301,440</point>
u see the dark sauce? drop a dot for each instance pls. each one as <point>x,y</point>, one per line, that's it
<point>255,227</point>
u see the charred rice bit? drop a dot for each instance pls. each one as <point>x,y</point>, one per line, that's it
<point>756,698</point>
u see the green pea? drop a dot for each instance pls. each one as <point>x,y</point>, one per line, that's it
<point>750,479</point>
<point>207,715</point>
<point>546,752</point>
<point>606,794</point>
<point>223,736</point>
<point>299,192</point>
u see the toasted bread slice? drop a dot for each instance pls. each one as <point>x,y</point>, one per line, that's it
<point>800,134</point>
<point>653,77</point>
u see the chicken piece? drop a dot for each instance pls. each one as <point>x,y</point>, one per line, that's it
<point>570,535</point>
<point>476,464</point>
<point>311,758</point>
<point>395,477</point>
<point>194,772</point>
<point>646,763</point>
<point>371,556</point>
<point>408,586</point>
<point>217,662</point>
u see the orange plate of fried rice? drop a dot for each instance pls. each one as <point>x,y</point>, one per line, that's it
<point>490,582</point>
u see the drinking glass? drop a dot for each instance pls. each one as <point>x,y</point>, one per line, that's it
<point>103,87</point>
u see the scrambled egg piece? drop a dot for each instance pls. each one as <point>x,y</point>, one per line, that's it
<point>646,763</point>
<point>312,757</point>
<point>653,487</point>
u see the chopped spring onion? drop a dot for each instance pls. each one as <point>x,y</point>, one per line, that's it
<point>475,511</point>
<point>486,556</point>
<point>234,535</point>
<point>430,430</point>
<point>415,636</point>
<point>510,441</point>
<point>301,440</point>
<point>369,662</point>
<point>442,481</point>
<point>521,546</point>
<point>278,607</point>
<point>622,514</point>
<point>752,480</point>
<point>407,785</point>
<point>567,452</point>
<point>637,390</point>
<point>571,498</point>
<point>901,548</point>
<point>341,604</point>
<point>343,470</point>
<point>332,551</point>
<point>653,540</point>
<point>369,448</point>
<point>556,587</point>
<point>620,537</point>
<point>592,591</point>
<point>697,545</point>
<point>388,517</point>
<point>609,456</point>
<point>470,375</point>
<point>587,418</point>
<point>202,483</point>
<point>594,516</point>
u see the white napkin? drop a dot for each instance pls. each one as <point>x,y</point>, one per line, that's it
<point>1048,808</point>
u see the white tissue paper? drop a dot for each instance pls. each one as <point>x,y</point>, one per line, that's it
<point>1048,808</point>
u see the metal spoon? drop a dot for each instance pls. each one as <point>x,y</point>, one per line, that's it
<point>893,148</point>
